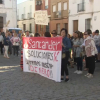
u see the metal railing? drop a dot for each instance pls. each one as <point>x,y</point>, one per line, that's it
<point>57,14</point>
<point>23,16</point>
<point>81,7</point>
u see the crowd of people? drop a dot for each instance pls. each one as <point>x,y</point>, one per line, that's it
<point>75,49</point>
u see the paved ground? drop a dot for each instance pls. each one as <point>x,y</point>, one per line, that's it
<point>16,85</point>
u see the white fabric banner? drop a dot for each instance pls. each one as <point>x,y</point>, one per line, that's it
<point>43,56</point>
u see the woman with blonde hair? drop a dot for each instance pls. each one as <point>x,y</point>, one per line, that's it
<point>16,42</point>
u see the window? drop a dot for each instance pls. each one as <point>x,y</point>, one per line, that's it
<point>47,28</point>
<point>1,22</point>
<point>17,26</point>
<point>41,27</point>
<point>30,14</point>
<point>54,8</point>
<point>30,8</point>
<point>65,5</point>
<point>37,28</point>
<point>30,28</point>
<point>1,1</point>
<point>46,4</point>
<point>59,6</point>
<point>24,27</point>
<point>66,26</point>
<point>87,24</point>
<point>58,28</point>
<point>24,13</point>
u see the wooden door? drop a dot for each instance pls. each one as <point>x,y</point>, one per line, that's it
<point>75,25</point>
<point>1,22</point>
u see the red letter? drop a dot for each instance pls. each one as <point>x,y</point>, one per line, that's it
<point>35,69</point>
<point>55,56</point>
<point>31,68</point>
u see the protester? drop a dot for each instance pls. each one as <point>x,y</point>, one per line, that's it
<point>47,34</point>
<point>15,41</point>
<point>10,44</point>
<point>97,42</point>
<point>36,35</point>
<point>6,45</point>
<point>73,39</point>
<point>65,54</point>
<point>54,33</point>
<point>1,43</point>
<point>21,62</point>
<point>2,33</point>
<point>78,52</point>
<point>27,34</point>
<point>19,35</point>
<point>31,35</point>
<point>13,32</point>
<point>91,50</point>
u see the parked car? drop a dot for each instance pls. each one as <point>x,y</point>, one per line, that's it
<point>16,29</point>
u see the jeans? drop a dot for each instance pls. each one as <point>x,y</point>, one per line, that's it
<point>1,47</point>
<point>15,50</point>
<point>79,63</point>
<point>90,63</point>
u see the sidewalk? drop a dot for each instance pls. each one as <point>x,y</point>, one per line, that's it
<point>17,85</point>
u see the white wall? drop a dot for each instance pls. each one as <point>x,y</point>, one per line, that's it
<point>20,11</point>
<point>9,8</point>
<point>92,10</point>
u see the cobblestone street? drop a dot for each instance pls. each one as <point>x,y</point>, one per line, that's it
<point>17,85</point>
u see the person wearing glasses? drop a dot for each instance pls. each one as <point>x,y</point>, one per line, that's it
<point>66,44</point>
<point>91,51</point>
<point>54,33</point>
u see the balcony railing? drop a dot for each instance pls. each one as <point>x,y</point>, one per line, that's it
<point>29,15</point>
<point>57,14</point>
<point>81,7</point>
<point>17,17</point>
<point>1,1</point>
<point>23,16</point>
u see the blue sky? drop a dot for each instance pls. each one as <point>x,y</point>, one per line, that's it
<point>19,1</point>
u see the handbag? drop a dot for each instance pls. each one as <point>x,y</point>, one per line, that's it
<point>63,55</point>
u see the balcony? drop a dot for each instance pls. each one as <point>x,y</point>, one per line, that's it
<point>29,15</point>
<point>23,16</point>
<point>57,14</point>
<point>38,2</point>
<point>81,7</point>
<point>17,17</point>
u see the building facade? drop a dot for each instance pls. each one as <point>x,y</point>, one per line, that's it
<point>83,15</point>
<point>8,14</point>
<point>25,16</point>
<point>43,5</point>
<point>59,15</point>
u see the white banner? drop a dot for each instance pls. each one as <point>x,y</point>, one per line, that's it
<point>41,17</point>
<point>41,58</point>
